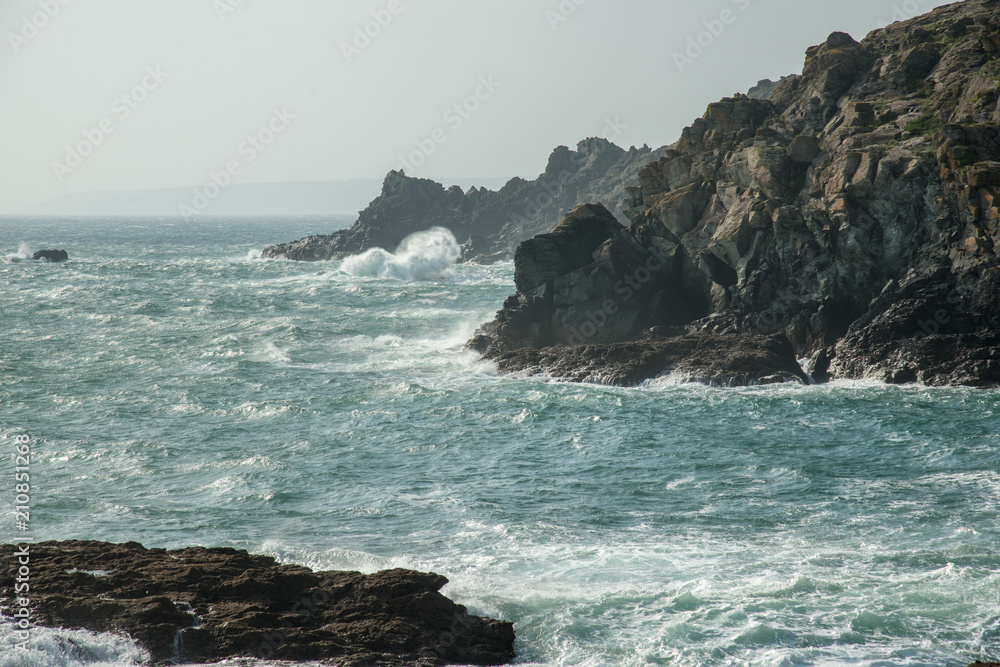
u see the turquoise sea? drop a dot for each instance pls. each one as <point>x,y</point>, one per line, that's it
<point>182,392</point>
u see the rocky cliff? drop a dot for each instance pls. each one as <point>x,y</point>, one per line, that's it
<point>854,213</point>
<point>205,605</point>
<point>486,222</point>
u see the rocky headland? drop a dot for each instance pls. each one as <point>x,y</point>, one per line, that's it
<point>489,224</point>
<point>209,604</point>
<point>848,215</point>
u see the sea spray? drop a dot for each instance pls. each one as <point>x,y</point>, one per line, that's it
<point>426,255</point>
<point>23,252</point>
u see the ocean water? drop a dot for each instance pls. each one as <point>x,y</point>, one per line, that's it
<point>183,392</point>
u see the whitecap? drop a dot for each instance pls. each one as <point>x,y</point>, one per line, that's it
<point>23,252</point>
<point>427,255</point>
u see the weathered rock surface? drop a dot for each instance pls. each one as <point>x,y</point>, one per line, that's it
<point>855,212</point>
<point>724,360</point>
<point>489,224</point>
<point>51,255</point>
<point>198,604</point>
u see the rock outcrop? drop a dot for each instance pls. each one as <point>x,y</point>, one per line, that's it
<point>856,212</point>
<point>489,224</point>
<point>51,255</point>
<point>201,605</point>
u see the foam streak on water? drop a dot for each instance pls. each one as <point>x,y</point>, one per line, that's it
<point>184,392</point>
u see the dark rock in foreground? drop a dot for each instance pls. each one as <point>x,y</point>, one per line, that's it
<point>51,255</point>
<point>198,604</point>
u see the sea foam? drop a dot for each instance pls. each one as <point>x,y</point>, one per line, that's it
<point>427,255</point>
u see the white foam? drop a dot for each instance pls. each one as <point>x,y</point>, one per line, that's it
<point>427,255</point>
<point>68,648</point>
<point>23,252</point>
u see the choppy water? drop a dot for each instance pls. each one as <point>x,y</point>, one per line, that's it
<point>182,392</point>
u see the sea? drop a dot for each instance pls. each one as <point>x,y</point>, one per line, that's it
<point>181,391</point>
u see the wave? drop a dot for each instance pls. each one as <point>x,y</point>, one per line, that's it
<point>23,252</point>
<point>427,255</point>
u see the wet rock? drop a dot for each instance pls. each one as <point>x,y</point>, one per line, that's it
<point>51,255</point>
<point>202,605</point>
<point>716,359</point>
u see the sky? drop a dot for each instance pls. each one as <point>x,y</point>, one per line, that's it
<point>103,95</point>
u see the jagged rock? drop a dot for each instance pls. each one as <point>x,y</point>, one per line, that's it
<point>804,149</point>
<point>51,255</point>
<point>202,605</point>
<point>488,224</point>
<point>856,205</point>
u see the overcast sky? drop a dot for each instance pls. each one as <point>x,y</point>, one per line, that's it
<point>137,94</point>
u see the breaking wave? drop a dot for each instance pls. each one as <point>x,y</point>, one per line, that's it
<point>427,255</point>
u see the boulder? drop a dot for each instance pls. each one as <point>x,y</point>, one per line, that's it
<point>51,255</point>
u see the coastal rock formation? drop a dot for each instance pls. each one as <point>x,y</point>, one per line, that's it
<point>51,255</point>
<point>489,224</point>
<point>200,605</point>
<point>856,212</point>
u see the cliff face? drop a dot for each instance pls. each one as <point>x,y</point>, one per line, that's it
<point>854,212</point>
<point>486,222</point>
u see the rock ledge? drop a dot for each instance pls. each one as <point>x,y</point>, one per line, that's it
<point>207,604</point>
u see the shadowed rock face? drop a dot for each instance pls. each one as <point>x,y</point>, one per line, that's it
<point>51,255</point>
<point>197,604</point>
<point>856,212</point>
<point>489,224</point>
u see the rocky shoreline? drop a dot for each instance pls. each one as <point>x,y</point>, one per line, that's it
<point>488,224</point>
<point>209,604</point>
<point>854,212</point>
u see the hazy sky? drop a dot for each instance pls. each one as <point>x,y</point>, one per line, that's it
<point>294,90</point>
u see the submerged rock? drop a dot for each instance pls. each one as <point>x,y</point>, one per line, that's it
<point>855,210</point>
<point>51,255</point>
<point>201,605</point>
